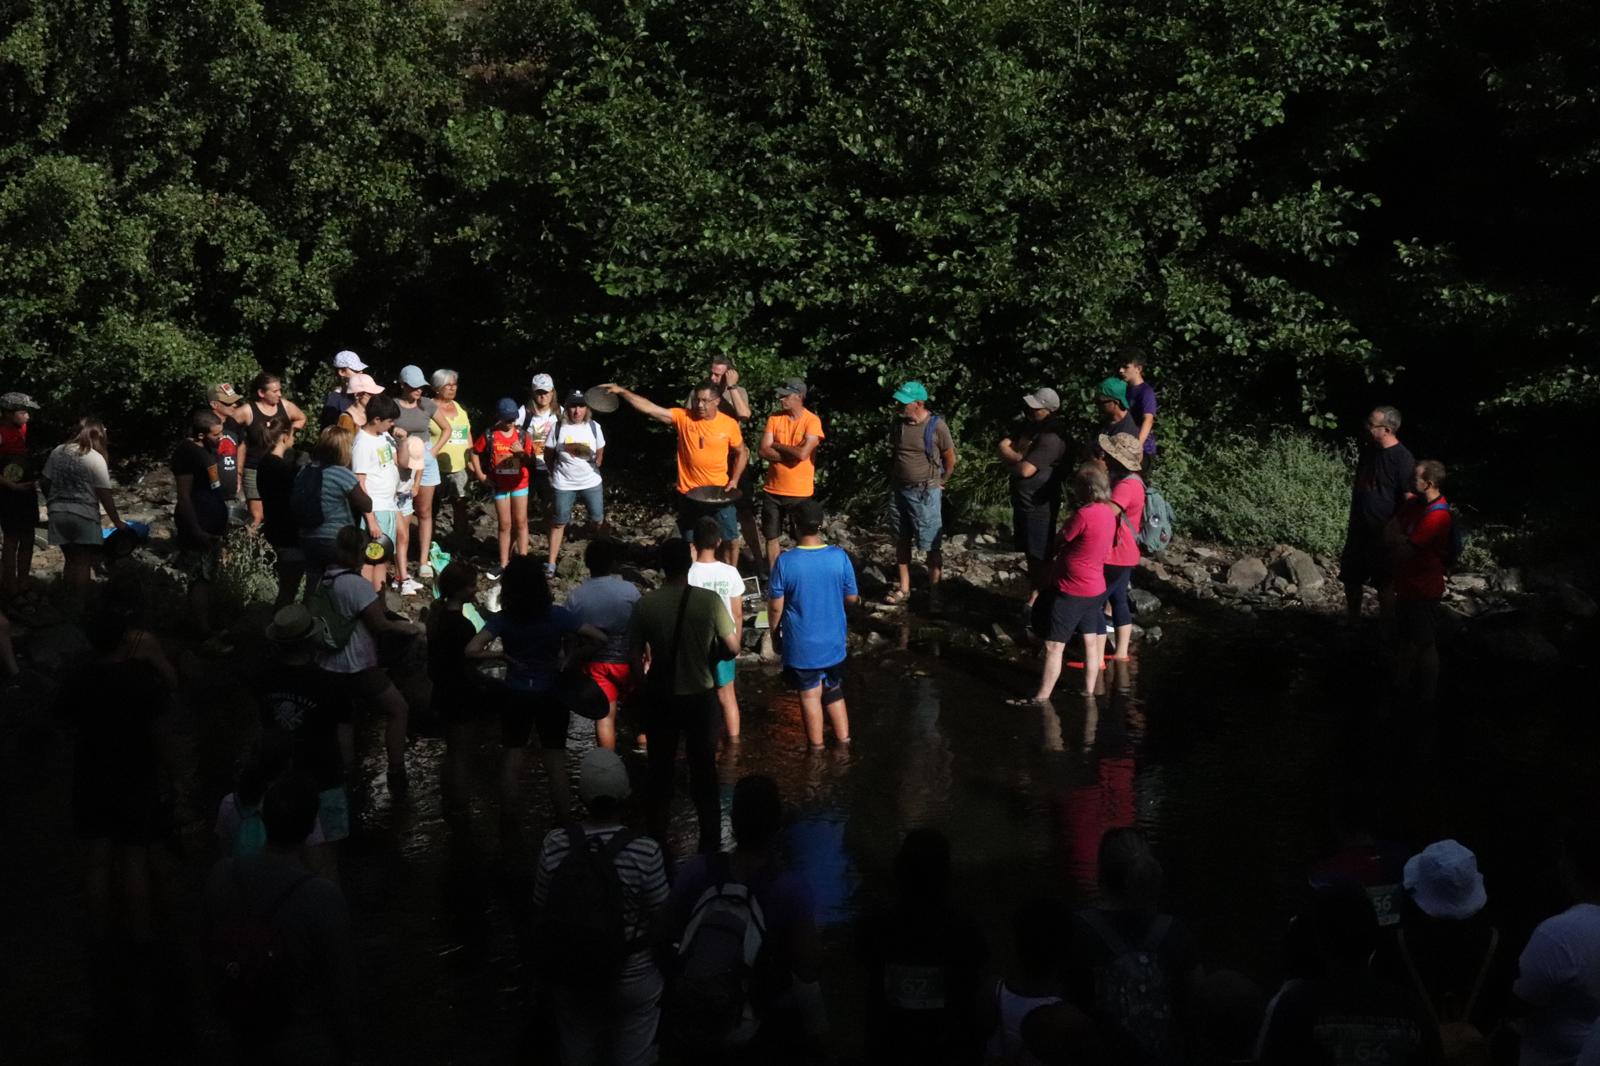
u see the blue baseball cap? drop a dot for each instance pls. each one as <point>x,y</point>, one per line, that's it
<point>911,392</point>
<point>506,409</point>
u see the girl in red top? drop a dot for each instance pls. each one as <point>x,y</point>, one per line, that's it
<point>504,447</point>
<point>1075,593</point>
<point>1121,458</point>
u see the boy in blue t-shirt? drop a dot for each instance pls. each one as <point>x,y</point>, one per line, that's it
<point>1141,404</point>
<point>811,585</point>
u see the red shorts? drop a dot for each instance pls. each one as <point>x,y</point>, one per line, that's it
<point>614,679</point>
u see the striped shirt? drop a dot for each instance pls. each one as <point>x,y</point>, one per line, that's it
<point>639,868</point>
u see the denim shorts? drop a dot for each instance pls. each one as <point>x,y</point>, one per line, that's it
<point>918,516</point>
<point>430,470</point>
<point>829,678</point>
<point>691,511</point>
<point>593,501</point>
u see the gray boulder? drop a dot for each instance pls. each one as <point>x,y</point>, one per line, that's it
<point>1299,569</point>
<point>1144,601</point>
<point>1247,573</point>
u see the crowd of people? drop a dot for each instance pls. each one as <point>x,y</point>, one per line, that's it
<point>714,957</point>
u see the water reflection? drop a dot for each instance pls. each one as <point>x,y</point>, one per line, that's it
<point>1100,791</point>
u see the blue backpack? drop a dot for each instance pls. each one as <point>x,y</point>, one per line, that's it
<point>1458,533</point>
<point>1159,523</point>
<point>927,441</point>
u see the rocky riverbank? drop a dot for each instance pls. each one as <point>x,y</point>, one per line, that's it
<point>1528,615</point>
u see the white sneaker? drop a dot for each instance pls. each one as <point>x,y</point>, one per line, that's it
<point>425,572</point>
<point>411,587</point>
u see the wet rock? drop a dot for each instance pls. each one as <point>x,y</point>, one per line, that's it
<point>1197,575</point>
<point>1291,590</point>
<point>1153,635</point>
<point>1144,601</point>
<point>1574,601</point>
<point>1247,573</point>
<point>1200,551</point>
<point>1469,582</point>
<point>1277,584</point>
<point>1526,645</point>
<point>51,648</point>
<point>1298,568</point>
<point>955,543</point>
<point>985,540</point>
<point>1000,634</point>
<point>1508,580</point>
<point>871,579</point>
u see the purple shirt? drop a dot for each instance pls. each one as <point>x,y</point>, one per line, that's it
<point>1141,402</point>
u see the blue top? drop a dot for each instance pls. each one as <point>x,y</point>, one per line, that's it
<point>813,582</point>
<point>337,481</point>
<point>606,603</point>
<point>533,649</point>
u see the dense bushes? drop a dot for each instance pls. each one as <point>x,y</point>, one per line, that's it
<point>1287,489</point>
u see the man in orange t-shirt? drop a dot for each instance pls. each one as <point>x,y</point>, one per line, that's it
<point>711,454</point>
<point>788,444</point>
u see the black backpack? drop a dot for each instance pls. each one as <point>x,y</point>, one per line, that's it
<point>707,1005</point>
<point>305,497</point>
<point>252,985</point>
<point>579,939</point>
<point>1131,996</point>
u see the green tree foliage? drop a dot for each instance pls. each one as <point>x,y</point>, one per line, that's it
<point>185,186</point>
<point>980,194</point>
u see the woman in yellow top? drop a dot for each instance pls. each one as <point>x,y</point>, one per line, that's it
<point>453,450</point>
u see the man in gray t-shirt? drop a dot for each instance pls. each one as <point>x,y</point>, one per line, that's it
<point>923,456</point>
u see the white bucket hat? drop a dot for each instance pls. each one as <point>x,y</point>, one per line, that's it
<point>1444,881</point>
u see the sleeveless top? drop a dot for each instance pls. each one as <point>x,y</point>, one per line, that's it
<point>1005,1043</point>
<point>252,457</point>
<point>453,456</point>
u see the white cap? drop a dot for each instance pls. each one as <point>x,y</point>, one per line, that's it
<point>543,383</point>
<point>348,360</point>
<point>601,774</point>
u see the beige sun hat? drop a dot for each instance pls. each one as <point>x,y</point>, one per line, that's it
<point>1124,448</point>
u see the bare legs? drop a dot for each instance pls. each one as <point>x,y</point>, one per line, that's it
<point>811,708</point>
<point>728,699</point>
<point>556,535</point>
<point>422,504</point>
<point>902,558</point>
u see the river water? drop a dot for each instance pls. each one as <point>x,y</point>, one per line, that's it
<point>1225,742</point>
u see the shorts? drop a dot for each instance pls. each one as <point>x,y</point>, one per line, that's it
<point>19,512</point>
<point>251,490</point>
<point>1365,561</point>
<point>1032,529</point>
<point>333,814</point>
<point>73,529</point>
<point>362,686</point>
<point>430,470</point>
<point>691,511</point>
<point>829,678</point>
<point>1073,614</point>
<point>1418,621</point>
<point>524,713</point>
<point>511,494</point>
<point>406,504</point>
<point>593,501</point>
<point>777,514</point>
<point>452,486</point>
<point>614,679</point>
<point>919,516</point>
<point>199,564</point>
<point>724,671</point>
<point>387,520</point>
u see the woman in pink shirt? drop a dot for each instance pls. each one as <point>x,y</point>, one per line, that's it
<point>1074,595</point>
<point>1120,457</point>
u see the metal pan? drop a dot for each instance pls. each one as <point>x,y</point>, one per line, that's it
<point>714,495</point>
<point>602,401</point>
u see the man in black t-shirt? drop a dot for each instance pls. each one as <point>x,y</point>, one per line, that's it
<point>1382,483</point>
<point>1033,457</point>
<point>300,704</point>
<point>201,516</point>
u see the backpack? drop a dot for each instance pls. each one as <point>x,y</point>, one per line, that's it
<point>251,980</point>
<point>1130,991</point>
<point>1464,1043</point>
<point>708,1004</point>
<point>579,939</point>
<point>305,497</point>
<point>927,441</point>
<point>1155,532</point>
<point>334,627</point>
<point>1458,533</point>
